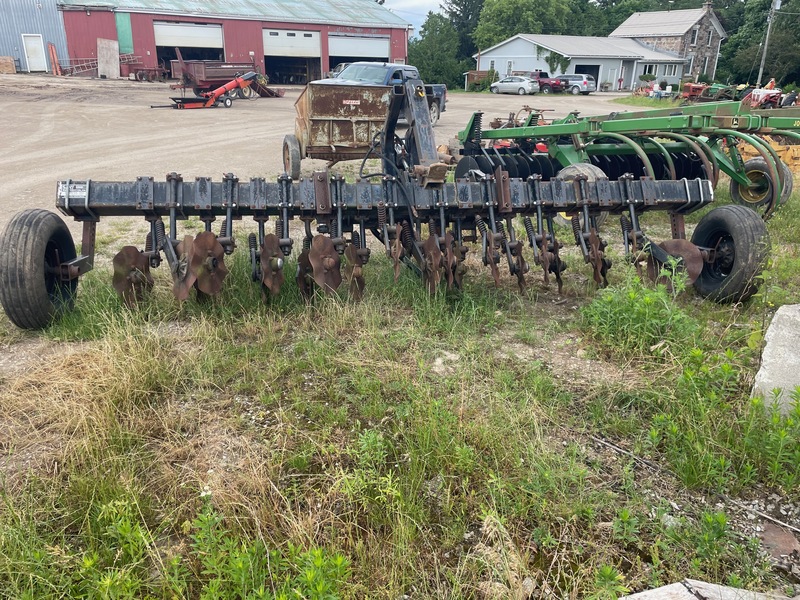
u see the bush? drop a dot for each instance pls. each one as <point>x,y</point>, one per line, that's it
<point>647,77</point>
<point>704,78</point>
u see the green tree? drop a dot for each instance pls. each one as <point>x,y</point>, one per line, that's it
<point>434,53</point>
<point>463,15</point>
<point>502,19</point>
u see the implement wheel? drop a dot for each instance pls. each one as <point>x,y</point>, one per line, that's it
<point>758,193</point>
<point>739,240</point>
<point>32,293</point>
<point>291,156</point>
<point>592,173</point>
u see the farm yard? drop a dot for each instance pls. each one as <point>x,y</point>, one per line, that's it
<point>480,443</point>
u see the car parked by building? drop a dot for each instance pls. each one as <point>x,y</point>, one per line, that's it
<point>578,84</point>
<point>515,84</point>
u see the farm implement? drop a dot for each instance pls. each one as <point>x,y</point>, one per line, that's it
<point>624,164</point>
<point>223,94</point>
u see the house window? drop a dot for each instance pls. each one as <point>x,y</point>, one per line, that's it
<point>509,65</point>
<point>651,69</point>
<point>670,70</point>
<point>705,65</point>
<point>491,65</point>
<point>710,33</point>
<point>690,68</point>
<point>694,37</point>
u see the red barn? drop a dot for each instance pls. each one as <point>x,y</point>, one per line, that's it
<point>291,41</point>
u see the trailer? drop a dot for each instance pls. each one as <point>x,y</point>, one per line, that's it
<point>206,75</point>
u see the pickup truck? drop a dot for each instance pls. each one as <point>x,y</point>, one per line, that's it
<point>376,73</point>
<point>547,84</point>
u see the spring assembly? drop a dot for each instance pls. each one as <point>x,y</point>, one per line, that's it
<point>576,229</point>
<point>381,215</point>
<point>356,239</point>
<point>160,234</point>
<point>279,227</point>
<point>481,225</point>
<point>529,230</point>
<point>502,231</point>
<point>223,230</point>
<point>432,228</point>
<point>307,244</point>
<point>407,236</point>
<point>148,243</point>
<point>627,228</point>
<point>252,242</point>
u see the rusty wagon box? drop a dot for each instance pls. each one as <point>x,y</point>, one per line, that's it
<point>335,122</point>
<point>207,74</point>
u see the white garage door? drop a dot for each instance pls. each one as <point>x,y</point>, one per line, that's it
<point>284,42</point>
<point>188,35</point>
<point>368,47</point>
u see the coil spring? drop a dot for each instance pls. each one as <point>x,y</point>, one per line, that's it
<point>356,239</point>
<point>478,126</point>
<point>333,228</point>
<point>223,231</point>
<point>481,225</point>
<point>161,234</point>
<point>406,236</point>
<point>381,215</point>
<point>279,227</point>
<point>502,231</point>
<point>148,243</point>
<point>576,229</point>
<point>432,228</point>
<point>252,241</point>
<point>626,225</point>
<point>529,229</point>
<point>307,243</point>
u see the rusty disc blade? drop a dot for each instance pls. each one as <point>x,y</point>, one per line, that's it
<point>131,277</point>
<point>207,263</point>
<point>431,268</point>
<point>183,279</point>
<point>690,255</point>
<point>272,276</point>
<point>303,270</point>
<point>326,263</point>
<point>397,252</point>
<point>355,272</point>
<point>450,260</point>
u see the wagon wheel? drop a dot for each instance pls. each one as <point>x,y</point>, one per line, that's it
<point>740,243</point>
<point>291,156</point>
<point>35,242</point>
<point>227,102</point>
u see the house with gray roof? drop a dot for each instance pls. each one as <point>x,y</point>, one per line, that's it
<point>693,34</point>
<point>615,61</point>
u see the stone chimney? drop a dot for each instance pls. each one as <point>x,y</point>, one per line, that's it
<point>708,5</point>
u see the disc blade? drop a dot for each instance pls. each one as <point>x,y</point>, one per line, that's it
<point>131,277</point>
<point>325,263</point>
<point>272,276</point>
<point>207,263</point>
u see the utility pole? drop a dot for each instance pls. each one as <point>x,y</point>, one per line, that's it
<point>776,5</point>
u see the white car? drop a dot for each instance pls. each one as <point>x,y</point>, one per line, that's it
<point>515,84</point>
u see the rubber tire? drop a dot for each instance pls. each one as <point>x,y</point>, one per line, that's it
<point>435,113</point>
<point>546,89</point>
<point>575,90</point>
<point>522,92</point>
<point>593,173</point>
<point>743,233</point>
<point>291,156</point>
<point>227,102</point>
<point>246,93</point>
<point>31,297</point>
<point>494,90</point>
<point>787,190</point>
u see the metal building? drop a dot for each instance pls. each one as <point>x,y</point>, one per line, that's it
<point>292,41</point>
<point>26,28</point>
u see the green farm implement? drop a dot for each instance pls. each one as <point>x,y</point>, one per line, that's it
<point>625,164</point>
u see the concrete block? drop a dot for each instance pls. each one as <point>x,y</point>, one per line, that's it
<point>691,589</point>
<point>107,58</point>
<point>780,362</point>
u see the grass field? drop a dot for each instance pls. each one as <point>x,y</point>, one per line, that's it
<point>475,444</point>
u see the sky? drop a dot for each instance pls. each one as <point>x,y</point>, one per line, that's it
<point>413,11</point>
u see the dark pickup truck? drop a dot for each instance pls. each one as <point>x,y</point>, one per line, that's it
<point>376,73</point>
